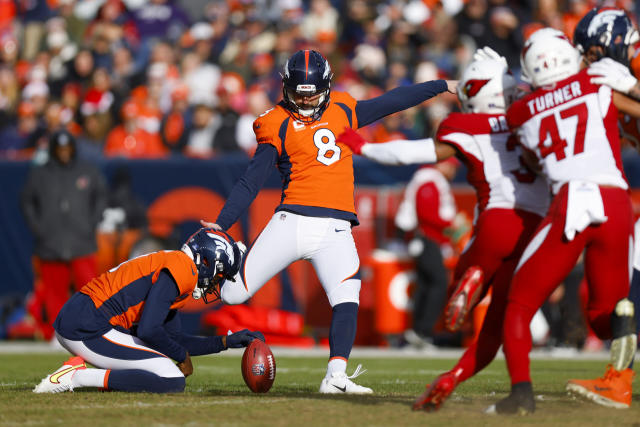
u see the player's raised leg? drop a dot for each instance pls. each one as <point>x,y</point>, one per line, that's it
<point>337,265</point>
<point>261,262</point>
<point>480,353</point>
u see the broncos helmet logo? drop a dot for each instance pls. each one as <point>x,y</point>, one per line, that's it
<point>473,86</point>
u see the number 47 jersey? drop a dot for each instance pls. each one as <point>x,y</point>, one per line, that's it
<point>571,126</point>
<point>317,174</point>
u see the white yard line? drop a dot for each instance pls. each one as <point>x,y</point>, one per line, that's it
<point>9,347</point>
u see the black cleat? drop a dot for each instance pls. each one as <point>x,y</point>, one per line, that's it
<point>519,402</point>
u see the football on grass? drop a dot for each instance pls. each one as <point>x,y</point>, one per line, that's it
<point>258,367</point>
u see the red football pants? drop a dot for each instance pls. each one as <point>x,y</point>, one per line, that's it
<point>548,260</point>
<point>499,235</point>
<point>56,281</point>
<point>499,238</point>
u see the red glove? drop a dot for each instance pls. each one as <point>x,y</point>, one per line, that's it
<point>351,139</point>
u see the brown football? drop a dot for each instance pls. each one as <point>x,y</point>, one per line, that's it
<point>258,367</point>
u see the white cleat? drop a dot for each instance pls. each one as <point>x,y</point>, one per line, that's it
<point>339,382</point>
<point>60,380</point>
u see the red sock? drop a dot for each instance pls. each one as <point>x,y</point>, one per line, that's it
<point>517,341</point>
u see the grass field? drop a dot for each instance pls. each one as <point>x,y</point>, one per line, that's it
<point>217,395</point>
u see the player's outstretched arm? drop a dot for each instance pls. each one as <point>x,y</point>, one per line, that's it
<point>399,152</point>
<point>399,99</point>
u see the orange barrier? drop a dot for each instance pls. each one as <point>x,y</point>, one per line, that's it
<point>393,279</point>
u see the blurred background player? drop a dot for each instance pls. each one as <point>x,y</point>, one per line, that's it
<point>568,126</point>
<point>125,321</point>
<point>511,202</point>
<point>317,210</point>
<point>428,209</point>
<point>63,201</point>
<point>609,33</point>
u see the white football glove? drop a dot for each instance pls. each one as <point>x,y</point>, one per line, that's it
<point>613,74</point>
<point>486,53</point>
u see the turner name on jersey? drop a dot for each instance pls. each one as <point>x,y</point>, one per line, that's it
<point>576,139</point>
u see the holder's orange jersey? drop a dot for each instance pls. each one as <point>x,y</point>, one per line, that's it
<point>120,293</point>
<point>317,172</point>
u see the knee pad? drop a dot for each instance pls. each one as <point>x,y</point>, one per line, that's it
<point>623,329</point>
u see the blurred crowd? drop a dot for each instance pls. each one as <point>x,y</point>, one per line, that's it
<point>154,78</point>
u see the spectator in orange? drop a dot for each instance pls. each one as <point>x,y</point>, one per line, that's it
<point>130,140</point>
<point>577,9</point>
<point>175,122</point>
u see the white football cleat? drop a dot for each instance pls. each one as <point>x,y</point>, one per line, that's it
<point>60,380</point>
<point>339,382</point>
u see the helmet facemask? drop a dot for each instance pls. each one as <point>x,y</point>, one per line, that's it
<point>299,113</point>
<point>217,258</point>
<point>306,74</point>
<point>208,283</point>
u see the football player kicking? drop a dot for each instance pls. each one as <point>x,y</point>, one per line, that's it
<point>511,202</point>
<point>568,126</point>
<point>316,212</point>
<point>609,33</point>
<point>124,322</point>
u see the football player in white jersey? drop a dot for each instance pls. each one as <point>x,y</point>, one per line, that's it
<point>511,202</point>
<point>568,127</point>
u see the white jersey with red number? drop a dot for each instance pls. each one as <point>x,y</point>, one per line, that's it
<point>494,161</point>
<point>571,126</point>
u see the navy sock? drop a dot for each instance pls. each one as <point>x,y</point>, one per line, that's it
<point>139,380</point>
<point>342,332</point>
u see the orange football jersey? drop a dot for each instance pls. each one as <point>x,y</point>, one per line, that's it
<point>316,170</point>
<point>120,293</point>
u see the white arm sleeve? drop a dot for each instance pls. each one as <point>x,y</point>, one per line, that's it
<point>401,152</point>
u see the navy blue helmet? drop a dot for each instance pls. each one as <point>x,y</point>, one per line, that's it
<point>217,258</point>
<point>306,73</point>
<point>609,28</point>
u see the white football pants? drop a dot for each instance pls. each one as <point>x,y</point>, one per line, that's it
<point>288,237</point>
<point>116,350</point>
